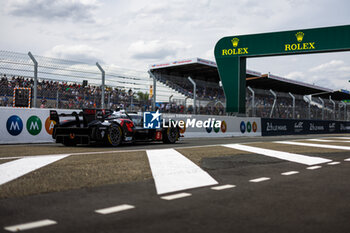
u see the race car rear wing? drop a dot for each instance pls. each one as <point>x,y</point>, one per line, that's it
<point>88,115</point>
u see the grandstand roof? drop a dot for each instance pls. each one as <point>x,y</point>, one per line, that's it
<point>196,68</point>
<point>201,69</point>
<point>335,95</point>
<point>268,81</point>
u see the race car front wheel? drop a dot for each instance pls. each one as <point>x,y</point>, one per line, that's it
<point>170,135</point>
<point>115,135</point>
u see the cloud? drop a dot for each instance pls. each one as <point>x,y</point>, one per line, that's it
<point>75,10</point>
<point>155,49</point>
<point>82,53</point>
<point>327,66</point>
<point>295,75</point>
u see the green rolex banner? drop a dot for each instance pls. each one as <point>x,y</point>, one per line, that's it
<point>231,54</point>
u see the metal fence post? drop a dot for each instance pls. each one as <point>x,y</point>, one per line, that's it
<point>340,104</point>
<point>322,107</point>
<point>109,99</point>
<point>330,99</point>
<point>310,99</point>
<point>154,90</point>
<point>194,94</point>
<point>102,86</point>
<point>293,97</point>
<point>345,111</point>
<point>253,100</point>
<point>35,88</point>
<point>57,99</point>
<point>274,102</point>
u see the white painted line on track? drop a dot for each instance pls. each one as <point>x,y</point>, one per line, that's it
<point>30,225</point>
<point>222,187</point>
<point>323,140</point>
<point>346,138</point>
<point>257,180</point>
<point>314,167</point>
<point>17,168</point>
<point>347,160</point>
<point>17,157</point>
<point>289,173</point>
<point>319,140</point>
<point>174,172</point>
<point>333,163</point>
<point>303,159</point>
<point>176,196</point>
<point>314,145</point>
<point>115,209</point>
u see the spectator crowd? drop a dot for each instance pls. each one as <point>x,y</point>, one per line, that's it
<point>70,95</point>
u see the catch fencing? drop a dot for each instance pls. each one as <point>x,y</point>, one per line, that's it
<point>64,84</point>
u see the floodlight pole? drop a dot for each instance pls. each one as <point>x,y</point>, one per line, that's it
<point>35,88</point>
<point>330,99</point>
<point>322,107</point>
<point>274,102</point>
<point>154,90</point>
<point>194,94</point>
<point>253,100</point>
<point>102,86</point>
<point>293,97</point>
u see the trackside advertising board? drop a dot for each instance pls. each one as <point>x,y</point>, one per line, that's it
<point>34,125</point>
<point>216,126</point>
<point>273,127</point>
<point>26,125</point>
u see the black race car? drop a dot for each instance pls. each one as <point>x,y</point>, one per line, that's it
<point>94,126</point>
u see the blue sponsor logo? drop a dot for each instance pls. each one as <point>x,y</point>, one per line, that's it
<point>242,127</point>
<point>14,125</point>
<point>151,120</point>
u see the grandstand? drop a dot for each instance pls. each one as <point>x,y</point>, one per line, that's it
<point>267,95</point>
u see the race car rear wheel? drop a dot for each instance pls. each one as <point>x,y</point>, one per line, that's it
<point>115,135</point>
<point>170,135</point>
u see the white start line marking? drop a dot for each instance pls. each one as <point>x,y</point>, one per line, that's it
<point>314,145</point>
<point>173,172</point>
<point>176,196</point>
<point>222,187</point>
<point>333,163</point>
<point>257,180</point>
<point>347,160</point>
<point>313,168</point>
<point>115,209</point>
<point>289,173</point>
<point>30,225</point>
<point>303,159</point>
<point>17,168</point>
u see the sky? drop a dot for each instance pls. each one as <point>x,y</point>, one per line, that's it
<point>136,33</point>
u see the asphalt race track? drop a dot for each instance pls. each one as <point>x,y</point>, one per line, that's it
<point>262,184</point>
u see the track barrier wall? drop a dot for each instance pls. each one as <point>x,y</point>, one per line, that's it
<point>34,126</point>
<point>230,126</point>
<point>275,127</point>
<point>26,125</point>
